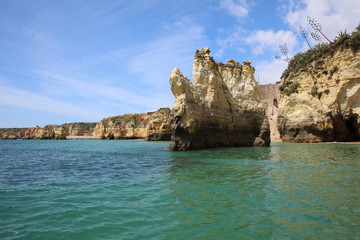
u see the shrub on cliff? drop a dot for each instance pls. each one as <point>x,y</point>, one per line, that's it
<point>288,87</point>
<point>301,61</point>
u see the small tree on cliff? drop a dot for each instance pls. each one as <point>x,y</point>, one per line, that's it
<point>284,51</point>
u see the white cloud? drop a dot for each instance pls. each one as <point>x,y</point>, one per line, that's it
<point>98,92</point>
<point>67,90</point>
<point>269,72</point>
<point>219,53</point>
<point>237,8</point>
<point>233,39</point>
<point>155,60</point>
<point>333,15</point>
<point>261,40</point>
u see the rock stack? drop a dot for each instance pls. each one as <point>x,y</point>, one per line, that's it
<point>221,108</point>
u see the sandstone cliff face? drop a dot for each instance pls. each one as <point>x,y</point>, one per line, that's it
<point>326,104</point>
<point>49,131</point>
<point>80,128</point>
<point>153,126</point>
<point>61,131</point>
<point>158,126</point>
<point>220,109</point>
<point>11,133</point>
<point>128,126</point>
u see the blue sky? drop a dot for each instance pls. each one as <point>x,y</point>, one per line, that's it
<point>84,60</point>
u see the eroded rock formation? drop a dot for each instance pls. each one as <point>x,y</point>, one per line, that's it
<point>49,131</point>
<point>152,126</point>
<point>158,126</point>
<point>12,133</point>
<point>221,108</point>
<point>322,102</point>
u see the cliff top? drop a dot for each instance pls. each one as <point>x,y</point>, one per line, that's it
<point>205,53</point>
<point>312,60</point>
<point>302,61</point>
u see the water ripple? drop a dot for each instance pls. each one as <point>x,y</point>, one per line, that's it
<point>138,190</point>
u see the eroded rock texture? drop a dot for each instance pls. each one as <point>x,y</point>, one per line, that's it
<point>49,131</point>
<point>221,108</point>
<point>60,131</point>
<point>152,126</point>
<point>326,104</point>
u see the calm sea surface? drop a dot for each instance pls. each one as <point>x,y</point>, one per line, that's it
<point>139,190</point>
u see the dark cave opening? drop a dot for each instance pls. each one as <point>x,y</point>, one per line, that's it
<point>353,127</point>
<point>346,130</point>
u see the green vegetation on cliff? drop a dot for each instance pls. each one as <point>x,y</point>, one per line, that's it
<point>302,62</point>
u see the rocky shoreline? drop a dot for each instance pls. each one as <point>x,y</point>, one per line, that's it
<point>151,126</point>
<point>225,107</point>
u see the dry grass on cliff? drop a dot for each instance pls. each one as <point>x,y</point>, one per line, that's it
<point>301,62</point>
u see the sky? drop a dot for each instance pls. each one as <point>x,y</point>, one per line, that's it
<point>85,60</point>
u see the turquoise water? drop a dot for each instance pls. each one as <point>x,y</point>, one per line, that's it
<point>139,190</point>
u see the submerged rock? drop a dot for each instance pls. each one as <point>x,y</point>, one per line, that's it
<point>221,108</point>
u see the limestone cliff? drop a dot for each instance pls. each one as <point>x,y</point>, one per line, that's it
<point>12,133</point>
<point>221,108</point>
<point>49,131</point>
<point>61,131</point>
<point>321,101</point>
<point>158,126</point>
<point>152,126</point>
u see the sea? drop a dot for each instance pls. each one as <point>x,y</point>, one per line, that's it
<point>133,189</point>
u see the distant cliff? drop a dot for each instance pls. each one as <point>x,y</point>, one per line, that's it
<point>221,108</point>
<point>152,126</point>
<point>12,133</point>
<point>49,131</point>
<point>320,93</point>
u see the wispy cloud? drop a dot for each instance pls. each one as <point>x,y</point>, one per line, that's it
<point>154,60</point>
<point>65,86</point>
<point>333,15</point>
<point>261,40</point>
<point>237,8</point>
<point>138,81</point>
<point>269,71</point>
<point>19,98</point>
